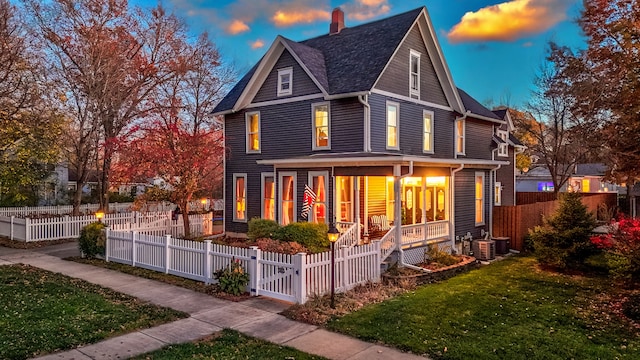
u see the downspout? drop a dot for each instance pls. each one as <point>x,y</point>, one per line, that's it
<point>224,176</point>
<point>455,137</point>
<point>398,176</point>
<point>452,221</point>
<point>364,100</point>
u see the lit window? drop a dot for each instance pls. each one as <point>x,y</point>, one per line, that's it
<point>503,148</point>
<point>479,198</point>
<point>240,197</point>
<point>285,81</point>
<point>414,74</point>
<point>287,198</point>
<point>545,186</point>
<point>319,183</point>
<point>460,143</point>
<point>321,128</point>
<point>253,132</point>
<point>586,186</point>
<point>268,197</point>
<point>498,194</point>
<point>392,125</point>
<point>344,192</point>
<point>427,138</point>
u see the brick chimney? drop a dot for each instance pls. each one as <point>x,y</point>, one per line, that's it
<point>337,21</point>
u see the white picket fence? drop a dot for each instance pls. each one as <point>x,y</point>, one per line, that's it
<point>68,227</point>
<point>285,277</point>
<point>66,209</point>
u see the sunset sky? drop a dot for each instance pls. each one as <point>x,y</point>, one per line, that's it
<point>493,48</point>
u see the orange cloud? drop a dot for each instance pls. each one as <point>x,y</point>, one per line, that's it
<point>257,44</point>
<point>361,10</point>
<point>237,27</point>
<point>283,18</point>
<point>509,21</point>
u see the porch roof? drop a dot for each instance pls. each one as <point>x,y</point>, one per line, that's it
<point>376,159</point>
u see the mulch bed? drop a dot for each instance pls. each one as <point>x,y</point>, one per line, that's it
<point>403,275</point>
<point>14,244</point>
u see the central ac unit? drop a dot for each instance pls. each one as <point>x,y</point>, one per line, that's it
<point>484,250</point>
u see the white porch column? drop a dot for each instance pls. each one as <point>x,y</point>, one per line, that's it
<point>356,201</point>
<point>424,205</point>
<point>366,205</point>
<point>397,212</point>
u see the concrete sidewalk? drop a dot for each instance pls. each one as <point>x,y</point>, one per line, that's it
<point>257,317</point>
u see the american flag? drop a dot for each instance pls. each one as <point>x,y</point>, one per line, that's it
<point>307,201</point>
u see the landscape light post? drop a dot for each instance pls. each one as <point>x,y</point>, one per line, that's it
<point>333,237</point>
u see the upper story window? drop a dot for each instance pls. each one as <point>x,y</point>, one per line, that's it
<point>285,81</point>
<point>321,126</point>
<point>427,128</point>
<point>253,132</point>
<point>393,113</point>
<point>503,148</point>
<point>460,137</point>
<point>414,74</point>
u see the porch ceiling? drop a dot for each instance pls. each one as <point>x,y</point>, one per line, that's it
<point>377,159</point>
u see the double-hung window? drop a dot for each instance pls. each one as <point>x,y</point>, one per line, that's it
<point>414,74</point>
<point>268,196</point>
<point>479,180</point>
<point>498,194</point>
<point>393,120</point>
<point>427,132</point>
<point>285,81</point>
<point>460,137</point>
<point>240,197</point>
<point>288,191</point>
<point>503,148</point>
<point>253,132</point>
<point>321,126</point>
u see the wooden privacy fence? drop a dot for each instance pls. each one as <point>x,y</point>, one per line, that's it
<point>285,277</point>
<point>515,221</point>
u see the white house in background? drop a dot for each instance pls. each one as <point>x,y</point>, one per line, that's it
<point>585,178</point>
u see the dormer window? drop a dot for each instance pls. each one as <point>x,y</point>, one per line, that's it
<point>414,74</point>
<point>503,148</point>
<point>285,81</point>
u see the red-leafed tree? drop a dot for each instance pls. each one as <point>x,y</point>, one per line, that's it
<point>181,142</point>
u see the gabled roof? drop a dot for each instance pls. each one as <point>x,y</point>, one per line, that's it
<point>477,110</point>
<point>594,169</point>
<point>350,62</point>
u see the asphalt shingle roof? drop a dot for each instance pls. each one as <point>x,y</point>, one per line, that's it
<point>475,107</point>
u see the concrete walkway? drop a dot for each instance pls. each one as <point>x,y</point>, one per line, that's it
<point>257,317</point>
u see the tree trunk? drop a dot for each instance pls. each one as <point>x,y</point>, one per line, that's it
<point>185,218</point>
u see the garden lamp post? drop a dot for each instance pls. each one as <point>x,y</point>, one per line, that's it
<point>203,201</point>
<point>333,237</point>
<point>99,215</point>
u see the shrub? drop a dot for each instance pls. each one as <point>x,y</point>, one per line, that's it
<point>278,246</point>
<point>261,228</point>
<point>564,239</point>
<point>310,235</point>
<point>434,254</point>
<point>232,279</point>
<point>92,240</point>
<point>622,248</point>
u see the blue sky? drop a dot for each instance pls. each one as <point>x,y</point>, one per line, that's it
<point>493,48</point>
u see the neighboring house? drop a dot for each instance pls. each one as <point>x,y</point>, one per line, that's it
<point>508,147</point>
<point>369,118</point>
<point>585,178</point>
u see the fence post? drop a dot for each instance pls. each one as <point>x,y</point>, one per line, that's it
<point>377,245</point>
<point>27,229</point>
<point>133,248</point>
<point>255,255</point>
<point>299,277</point>
<point>65,227</point>
<point>344,273</point>
<point>167,253</point>
<point>11,227</point>
<point>208,271</point>
<point>107,251</point>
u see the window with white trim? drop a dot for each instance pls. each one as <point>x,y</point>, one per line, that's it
<point>479,198</point>
<point>427,131</point>
<point>344,198</point>
<point>240,197</point>
<point>393,117</point>
<point>498,193</point>
<point>288,190</point>
<point>253,132</point>
<point>319,182</point>
<point>321,126</point>
<point>460,137</point>
<point>268,200</point>
<point>503,148</point>
<point>285,81</point>
<point>414,74</point>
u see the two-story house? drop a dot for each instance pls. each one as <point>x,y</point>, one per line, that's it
<point>508,147</point>
<point>370,119</point>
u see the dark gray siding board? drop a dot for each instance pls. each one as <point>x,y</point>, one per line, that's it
<point>479,139</point>
<point>505,175</point>
<point>411,127</point>
<point>464,193</point>
<point>302,83</point>
<point>395,78</point>
<point>347,125</point>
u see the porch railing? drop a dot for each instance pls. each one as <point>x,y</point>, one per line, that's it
<point>388,244</point>
<point>349,234</point>
<point>418,233</point>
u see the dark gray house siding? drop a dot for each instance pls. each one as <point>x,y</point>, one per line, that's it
<point>410,125</point>
<point>465,219</point>
<point>478,139</point>
<point>301,84</point>
<point>395,78</point>
<point>506,175</point>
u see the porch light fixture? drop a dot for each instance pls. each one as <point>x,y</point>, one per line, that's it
<point>99,215</point>
<point>333,237</point>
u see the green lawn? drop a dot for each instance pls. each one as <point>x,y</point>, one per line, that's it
<point>508,310</point>
<point>42,312</point>
<point>228,345</point>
